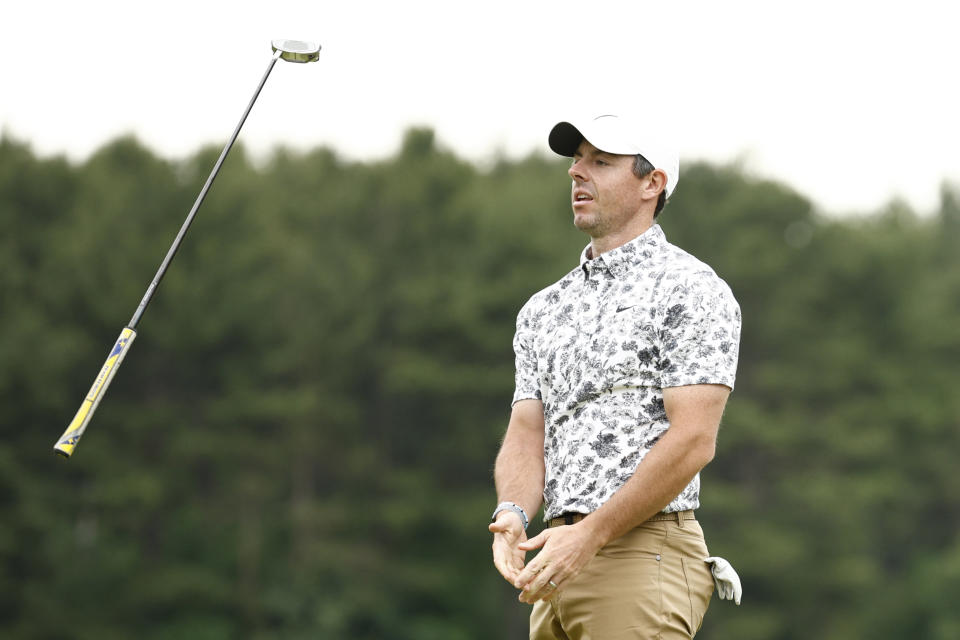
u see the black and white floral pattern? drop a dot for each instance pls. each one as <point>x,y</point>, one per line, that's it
<point>598,347</point>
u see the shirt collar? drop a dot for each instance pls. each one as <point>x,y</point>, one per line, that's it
<point>621,260</point>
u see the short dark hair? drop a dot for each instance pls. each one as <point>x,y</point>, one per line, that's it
<point>642,168</point>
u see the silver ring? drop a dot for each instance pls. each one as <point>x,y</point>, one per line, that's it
<point>552,583</point>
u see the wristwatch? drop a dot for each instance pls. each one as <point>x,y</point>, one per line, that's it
<point>511,506</point>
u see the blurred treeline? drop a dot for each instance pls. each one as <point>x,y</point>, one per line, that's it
<point>300,442</point>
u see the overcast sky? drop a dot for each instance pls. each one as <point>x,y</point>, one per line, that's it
<point>851,103</point>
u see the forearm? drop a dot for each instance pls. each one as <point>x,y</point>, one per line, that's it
<point>659,478</point>
<point>519,478</point>
<point>519,470</point>
<point>684,449</point>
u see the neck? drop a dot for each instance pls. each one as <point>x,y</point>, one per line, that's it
<point>603,244</point>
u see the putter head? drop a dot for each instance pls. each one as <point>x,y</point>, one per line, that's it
<point>296,51</point>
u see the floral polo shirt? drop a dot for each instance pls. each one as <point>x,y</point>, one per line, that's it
<point>598,348</point>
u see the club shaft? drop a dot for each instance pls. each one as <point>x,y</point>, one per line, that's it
<point>196,205</point>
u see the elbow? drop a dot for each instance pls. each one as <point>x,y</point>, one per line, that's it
<point>709,453</point>
<point>704,451</point>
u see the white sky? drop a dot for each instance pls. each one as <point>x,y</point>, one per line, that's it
<point>851,103</point>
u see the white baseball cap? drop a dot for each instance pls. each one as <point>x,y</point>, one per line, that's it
<point>619,135</point>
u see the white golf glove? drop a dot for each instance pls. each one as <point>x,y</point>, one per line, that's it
<point>726,579</point>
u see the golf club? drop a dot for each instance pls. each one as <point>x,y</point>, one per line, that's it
<point>289,50</point>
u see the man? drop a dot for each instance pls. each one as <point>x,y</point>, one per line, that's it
<point>623,370</point>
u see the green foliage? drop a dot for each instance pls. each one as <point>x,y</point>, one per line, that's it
<point>300,442</point>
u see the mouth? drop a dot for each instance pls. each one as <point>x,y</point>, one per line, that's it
<point>581,196</point>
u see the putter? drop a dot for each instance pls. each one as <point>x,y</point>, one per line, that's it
<point>289,50</point>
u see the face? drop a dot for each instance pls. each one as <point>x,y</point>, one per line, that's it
<point>606,194</point>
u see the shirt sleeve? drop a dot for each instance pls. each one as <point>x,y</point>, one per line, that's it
<point>527,377</point>
<point>700,334</point>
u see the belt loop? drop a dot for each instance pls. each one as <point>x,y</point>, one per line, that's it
<point>680,518</point>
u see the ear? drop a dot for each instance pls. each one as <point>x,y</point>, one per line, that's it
<point>657,182</point>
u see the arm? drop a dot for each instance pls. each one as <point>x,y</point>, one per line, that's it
<point>688,445</point>
<point>519,477</point>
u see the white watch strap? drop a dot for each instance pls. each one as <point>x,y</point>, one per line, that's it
<point>512,506</point>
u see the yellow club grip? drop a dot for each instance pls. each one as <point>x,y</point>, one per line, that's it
<point>68,441</point>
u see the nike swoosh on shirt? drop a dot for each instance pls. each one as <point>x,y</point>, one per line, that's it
<point>619,309</point>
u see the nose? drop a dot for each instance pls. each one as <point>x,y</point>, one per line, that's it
<point>576,171</point>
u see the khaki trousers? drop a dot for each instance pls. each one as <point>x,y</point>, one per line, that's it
<point>651,583</point>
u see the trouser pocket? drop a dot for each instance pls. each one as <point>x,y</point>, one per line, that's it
<point>700,588</point>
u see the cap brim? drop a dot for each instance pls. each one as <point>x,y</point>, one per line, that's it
<point>610,134</point>
<point>564,139</point>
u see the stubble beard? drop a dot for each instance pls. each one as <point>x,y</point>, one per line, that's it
<point>592,223</point>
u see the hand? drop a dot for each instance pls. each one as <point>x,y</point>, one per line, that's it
<point>726,579</point>
<point>508,533</point>
<point>566,550</point>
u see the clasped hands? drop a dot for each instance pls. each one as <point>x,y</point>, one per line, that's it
<point>564,551</point>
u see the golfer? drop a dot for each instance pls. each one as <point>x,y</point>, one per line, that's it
<point>623,368</point>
